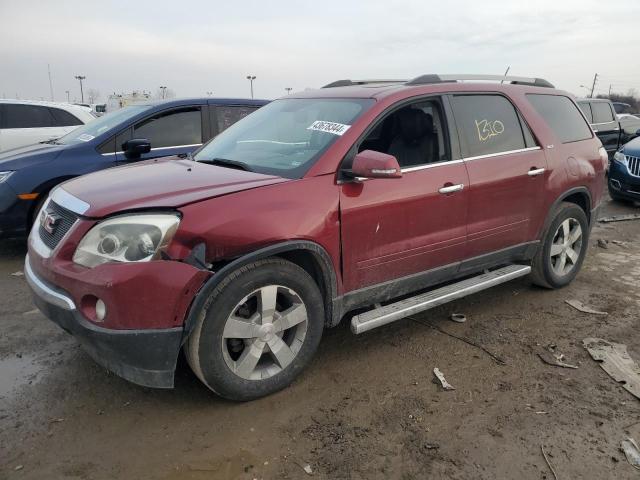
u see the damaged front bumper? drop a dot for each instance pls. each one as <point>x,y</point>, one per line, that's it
<point>146,357</point>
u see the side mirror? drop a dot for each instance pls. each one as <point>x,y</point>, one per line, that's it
<point>135,147</point>
<point>372,164</point>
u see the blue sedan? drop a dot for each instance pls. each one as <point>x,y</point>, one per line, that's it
<point>624,172</point>
<point>133,133</point>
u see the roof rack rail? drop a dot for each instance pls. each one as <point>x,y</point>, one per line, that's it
<point>432,78</point>
<point>348,83</point>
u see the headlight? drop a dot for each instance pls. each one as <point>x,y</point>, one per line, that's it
<point>5,175</point>
<point>620,158</point>
<point>130,238</point>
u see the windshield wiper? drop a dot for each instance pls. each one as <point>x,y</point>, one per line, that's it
<point>225,162</point>
<point>52,141</point>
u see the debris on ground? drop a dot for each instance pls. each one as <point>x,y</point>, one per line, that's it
<point>603,243</point>
<point>620,218</point>
<point>496,358</point>
<point>548,462</point>
<point>307,469</point>
<point>19,273</point>
<point>458,318</point>
<point>619,243</point>
<point>631,451</point>
<point>555,359</point>
<point>615,360</point>
<point>578,305</point>
<point>443,381</point>
<point>19,467</point>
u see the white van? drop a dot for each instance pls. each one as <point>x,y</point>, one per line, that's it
<point>25,122</point>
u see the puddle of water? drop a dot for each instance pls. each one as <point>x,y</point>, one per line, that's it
<point>16,372</point>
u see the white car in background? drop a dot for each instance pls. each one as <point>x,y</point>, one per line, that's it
<point>25,122</point>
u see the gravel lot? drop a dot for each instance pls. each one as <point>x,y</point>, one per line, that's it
<point>367,407</point>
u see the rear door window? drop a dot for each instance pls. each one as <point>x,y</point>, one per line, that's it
<point>227,115</point>
<point>562,115</point>
<point>586,109</point>
<point>62,118</point>
<point>171,129</point>
<point>489,124</point>
<point>27,116</point>
<point>602,112</point>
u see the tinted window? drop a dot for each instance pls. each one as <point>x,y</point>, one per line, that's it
<point>415,134</point>
<point>228,115</point>
<point>174,128</point>
<point>487,124</point>
<point>62,118</point>
<point>562,115</point>
<point>26,116</point>
<point>601,112</point>
<point>586,109</point>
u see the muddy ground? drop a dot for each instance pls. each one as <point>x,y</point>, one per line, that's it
<point>367,407</point>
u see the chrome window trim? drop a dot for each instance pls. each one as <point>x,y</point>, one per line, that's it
<point>603,123</point>
<point>68,201</point>
<point>156,148</point>
<point>44,291</point>
<point>499,154</point>
<point>430,165</point>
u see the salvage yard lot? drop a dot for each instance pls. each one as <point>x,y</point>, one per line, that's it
<point>367,406</point>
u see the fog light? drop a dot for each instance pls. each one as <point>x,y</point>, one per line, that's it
<point>101,310</point>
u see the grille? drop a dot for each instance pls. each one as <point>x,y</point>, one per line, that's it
<point>67,219</point>
<point>633,165</point>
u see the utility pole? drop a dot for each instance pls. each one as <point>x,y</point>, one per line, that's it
<point>288,89</point>
<point>80,78</point>
<point>609,90</point>
<point>50,83</point>
<point>251,78</point>
<point>593,87</point>
<point>67,92</point>
<point>164,91</point>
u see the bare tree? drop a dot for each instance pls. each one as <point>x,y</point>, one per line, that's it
<point>93,95</point>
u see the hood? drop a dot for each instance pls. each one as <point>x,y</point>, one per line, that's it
<point>633,147</point>
<point>164,183</point>
<point>23,157</point>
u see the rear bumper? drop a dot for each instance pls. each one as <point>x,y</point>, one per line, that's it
<point>145,357</point>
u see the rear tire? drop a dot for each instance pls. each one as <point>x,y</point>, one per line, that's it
<point>563,248</point>
<point>258,330</point>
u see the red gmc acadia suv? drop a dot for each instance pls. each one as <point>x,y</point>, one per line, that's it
<point>401,195</point>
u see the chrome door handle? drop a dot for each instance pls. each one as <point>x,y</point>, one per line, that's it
<point>452,188</point>
<point>535,172</point>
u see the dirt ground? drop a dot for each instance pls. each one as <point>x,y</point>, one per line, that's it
<point>367,407</point>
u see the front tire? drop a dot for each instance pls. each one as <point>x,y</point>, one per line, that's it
<point>258,330</point>
<point>563,248</point>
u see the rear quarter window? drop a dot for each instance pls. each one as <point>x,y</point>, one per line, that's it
<point>489,124</point>
<point>562,116</point>
<point>602,112</point>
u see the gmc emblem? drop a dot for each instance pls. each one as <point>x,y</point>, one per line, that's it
<point>49,221</point>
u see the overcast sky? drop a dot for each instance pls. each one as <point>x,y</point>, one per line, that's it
<point>198,46</point>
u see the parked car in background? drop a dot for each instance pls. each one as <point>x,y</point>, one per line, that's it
<point>612,131</point>
<point>624,173</point>
<point>25,122</point>
<point>137,132</point>
<point>319,204</point>
<point>621,107</point>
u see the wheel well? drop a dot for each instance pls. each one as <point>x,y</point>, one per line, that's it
<point>306,260</point>
<point>582,200</point>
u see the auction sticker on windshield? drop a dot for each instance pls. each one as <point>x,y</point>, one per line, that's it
<point>85,137</point>
<point>329,127</point>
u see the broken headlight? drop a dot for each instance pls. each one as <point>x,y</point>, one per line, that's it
<point>130,238</point>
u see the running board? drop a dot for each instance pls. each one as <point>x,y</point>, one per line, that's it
<point>395,311</point>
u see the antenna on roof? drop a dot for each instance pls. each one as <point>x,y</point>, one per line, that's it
<point>505,74</point>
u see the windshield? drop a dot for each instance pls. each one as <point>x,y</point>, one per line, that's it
<point>96,127</point>
<point>285,137</point>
